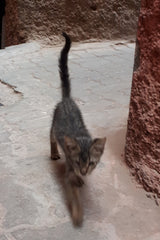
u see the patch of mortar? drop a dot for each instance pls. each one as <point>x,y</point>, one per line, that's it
<point>9,95</point>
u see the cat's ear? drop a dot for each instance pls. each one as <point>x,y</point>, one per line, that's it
<point>97,147</point>
<point>71,145</point>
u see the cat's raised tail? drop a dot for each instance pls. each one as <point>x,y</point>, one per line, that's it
<point>63,67</point>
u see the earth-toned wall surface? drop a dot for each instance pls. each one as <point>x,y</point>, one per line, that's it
<point>143,137</point>
<point>82,19</point>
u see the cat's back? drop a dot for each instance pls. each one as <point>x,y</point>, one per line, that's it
<point>68,114</point>
<point>67,107</point>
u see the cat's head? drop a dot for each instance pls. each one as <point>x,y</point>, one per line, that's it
<point>84,155</point>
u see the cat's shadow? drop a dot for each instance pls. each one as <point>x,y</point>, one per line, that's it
<point>58,169</point>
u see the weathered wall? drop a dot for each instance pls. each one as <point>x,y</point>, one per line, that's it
<point>143,136</point>
<point>82,19</point>
<point>13,31</point>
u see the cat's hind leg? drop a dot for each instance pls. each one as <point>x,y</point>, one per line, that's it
<point>54,149</point>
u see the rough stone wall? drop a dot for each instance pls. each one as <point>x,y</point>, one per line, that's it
<point>12,30</point>
<point>143,136</point>
<point>82,19</point>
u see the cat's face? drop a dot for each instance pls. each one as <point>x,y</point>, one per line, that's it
<point>84,161</point>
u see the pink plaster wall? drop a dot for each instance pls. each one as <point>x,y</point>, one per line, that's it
<point>143,136</point>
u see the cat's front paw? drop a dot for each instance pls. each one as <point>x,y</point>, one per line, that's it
<point>55,157</point>
<point>77,216</point>
<point>75,180</point>
<point>79,182</point>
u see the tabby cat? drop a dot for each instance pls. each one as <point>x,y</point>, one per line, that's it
<point>69,131</point>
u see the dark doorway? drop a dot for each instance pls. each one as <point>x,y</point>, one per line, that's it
<point>2,14</point>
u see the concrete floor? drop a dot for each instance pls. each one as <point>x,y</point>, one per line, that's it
<point>32,203</point>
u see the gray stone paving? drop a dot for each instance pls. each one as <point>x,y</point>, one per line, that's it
<point>32,204</point>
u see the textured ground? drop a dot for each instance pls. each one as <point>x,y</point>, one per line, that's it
<point>31,195</point>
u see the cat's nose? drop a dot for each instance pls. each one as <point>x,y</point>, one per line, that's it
<point>83,171</point>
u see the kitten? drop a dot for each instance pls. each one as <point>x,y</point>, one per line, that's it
<point>69,131</point>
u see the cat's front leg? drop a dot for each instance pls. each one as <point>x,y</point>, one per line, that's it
<point>74,180</point>
<point>79,181</point>
<point>74,203</point>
